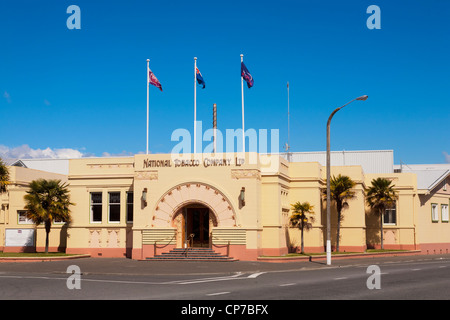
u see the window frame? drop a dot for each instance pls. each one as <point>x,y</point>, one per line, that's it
<point>435,213</point>
<point>394,209</point>
<point>114,204</point>
<point>26,221</point>
<point>91,206</point>
<point>442,213</point>
<point>128,204</point>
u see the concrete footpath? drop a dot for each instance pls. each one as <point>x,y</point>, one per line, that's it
<point>123,266</point>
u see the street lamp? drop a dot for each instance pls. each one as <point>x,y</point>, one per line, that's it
<point>361,98</point>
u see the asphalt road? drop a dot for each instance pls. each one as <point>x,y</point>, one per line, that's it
<point>404,278</point>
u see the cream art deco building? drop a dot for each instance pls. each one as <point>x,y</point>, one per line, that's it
<point>238,205</point>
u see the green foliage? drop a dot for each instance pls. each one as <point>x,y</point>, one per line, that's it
<point>300,212</point>
<point>380,195</point>
<point>4,176</point>
<point>302,218</point>
<point>341,189</point>
<point>46,201</point>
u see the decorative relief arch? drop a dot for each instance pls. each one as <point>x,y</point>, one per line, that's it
<point>169,205</point>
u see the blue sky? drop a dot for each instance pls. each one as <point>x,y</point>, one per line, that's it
<point>85,90</point>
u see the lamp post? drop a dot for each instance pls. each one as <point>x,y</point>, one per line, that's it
<point>361,98</point>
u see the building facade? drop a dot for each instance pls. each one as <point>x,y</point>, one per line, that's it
<point>236,204</point>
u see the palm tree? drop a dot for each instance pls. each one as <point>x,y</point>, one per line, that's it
<point>300,218</point>
<point>45,201</point>
<point>4,176</point>
<point>340,191</point>
<point>379,196</point>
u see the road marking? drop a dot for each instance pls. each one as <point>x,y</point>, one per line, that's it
<point>254,275</point>
<point>342,278</point>
<point>416,269</point>
<point>217,293</point>
<point>202,280</point>
<point>287,284</point>
<point>83,280</point>
<point>193,281</point>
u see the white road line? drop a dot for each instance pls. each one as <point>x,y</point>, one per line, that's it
<point>254,275</point>
<point>287,284</point>
<point>416,269</point>
<point>83,280</point>
<point>209,280</point>
<point>233,277</point>
<point>217,293</point>
<point>342,278</point>
<point>186,281</point>
<point>226,278</point>
<point>199,280</point>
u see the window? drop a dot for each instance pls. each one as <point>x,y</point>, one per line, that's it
<point>96,207</point>
<point>390,215</point>
<point>114,207</point>
<point>22,217</point>
<point>434,212</point>
<point>58,221</point>
<point>444,213</point>
<point>129,206</point>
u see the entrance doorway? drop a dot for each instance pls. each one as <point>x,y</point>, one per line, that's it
<point>197,227</point>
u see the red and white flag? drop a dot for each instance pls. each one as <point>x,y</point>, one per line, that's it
<point>153,80</point>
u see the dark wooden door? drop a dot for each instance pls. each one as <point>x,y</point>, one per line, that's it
<point>197,224</point>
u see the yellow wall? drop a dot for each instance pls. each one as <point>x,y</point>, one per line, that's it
<point>403,234</point>
<point>260,227</point>
<point>434,236</point>
<point>12,201</point>
<point>99,175</point>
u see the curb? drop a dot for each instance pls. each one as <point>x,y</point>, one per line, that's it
<point>340,256</point>
<point>42,259</point>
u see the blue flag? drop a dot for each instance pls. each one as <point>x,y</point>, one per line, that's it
<point>246,75</point>
<point>200,78</point>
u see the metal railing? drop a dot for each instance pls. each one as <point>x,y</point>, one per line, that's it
<point>191,244</point>
<point>221,246</point>
<point>155,246</point>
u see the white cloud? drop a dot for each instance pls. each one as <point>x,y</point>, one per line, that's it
<point>447,157</point>
<point>25,152</point>
<point>7,96</point>
<point>121,154</point>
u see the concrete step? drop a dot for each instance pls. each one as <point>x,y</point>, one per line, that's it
<point>191,254</point>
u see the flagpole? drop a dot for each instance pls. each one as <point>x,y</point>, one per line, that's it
<point>148,82</point>
<point>289,144</point>
<point>195,105</point>
<point>215,127</point>
<point>289,138</point>
<point>242,93</point>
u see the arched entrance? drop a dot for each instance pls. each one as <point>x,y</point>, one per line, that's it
<point>188,206</point>
<point>194,223</point>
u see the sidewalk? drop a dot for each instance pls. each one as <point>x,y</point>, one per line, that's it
<point>122,266</point>
<point>42,259</point>
<point>340,256</point>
